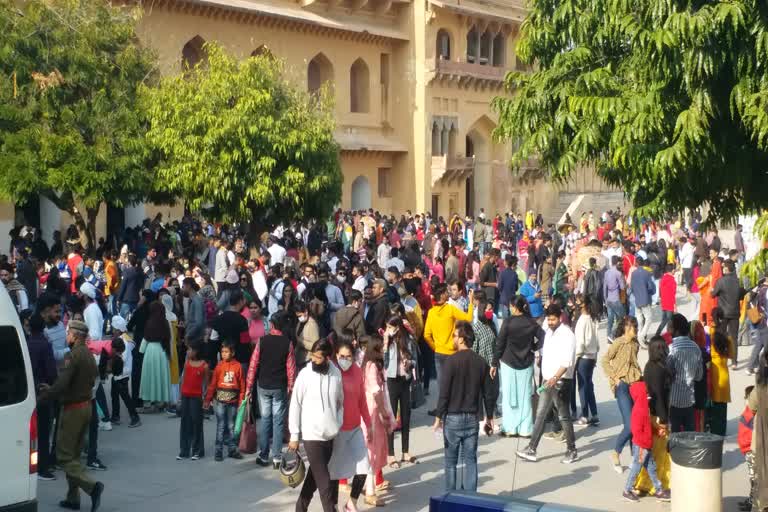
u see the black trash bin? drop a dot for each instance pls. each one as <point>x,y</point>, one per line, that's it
<point>697,460</point>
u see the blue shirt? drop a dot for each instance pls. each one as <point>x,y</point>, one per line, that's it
<point>529,292</point>
<point>507,285</point>
<point>642,287</point>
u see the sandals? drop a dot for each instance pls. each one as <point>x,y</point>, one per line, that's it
<point>383,486</point>
<point>410,460</point>
<point>394,465</point>
<point>374,501</point>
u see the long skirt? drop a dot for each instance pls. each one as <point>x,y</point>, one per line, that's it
<point>155,375</point>
<point>350,455</point>
<point>663,462</point>
<point>516,392</point>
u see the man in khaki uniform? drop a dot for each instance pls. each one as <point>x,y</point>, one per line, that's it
<point>74,390</point>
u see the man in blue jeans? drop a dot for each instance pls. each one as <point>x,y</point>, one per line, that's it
<point>274,363</point>
<point>465,381</point>
<point>613,284</point>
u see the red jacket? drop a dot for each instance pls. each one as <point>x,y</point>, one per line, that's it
<point>746,424</point>
<point>667,291</point>
<point>640,422</point>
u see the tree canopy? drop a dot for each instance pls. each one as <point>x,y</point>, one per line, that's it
<point>239,137</point>
<point>667,99</point>
<point>69,127</point>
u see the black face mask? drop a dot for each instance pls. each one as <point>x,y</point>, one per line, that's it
<point>320,368</point>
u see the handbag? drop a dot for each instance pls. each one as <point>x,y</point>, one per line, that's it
<point>248,434</point>
<point>417,394</point>
<point>240,418</point>
<point>754,315</point>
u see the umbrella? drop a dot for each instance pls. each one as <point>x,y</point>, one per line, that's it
<point>566,227</point>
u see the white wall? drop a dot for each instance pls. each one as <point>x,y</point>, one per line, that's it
<point>50,219</point>
<point>5,240</point>
<point>134,215</point>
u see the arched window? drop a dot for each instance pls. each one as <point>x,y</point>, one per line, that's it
<point>436,142</point>
<point>443,45</point>
<point>499,54</point>
<point>319,71</point>
<point>359,87</point>
<point>193,54</point>
<point>470,147</point>
<point>262,50</point>
<point>472,45</point>
<point>485,48</point>
<point>361,193</point>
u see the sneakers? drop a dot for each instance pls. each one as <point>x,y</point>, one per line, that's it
<point>181,457</point>
<point>276,464</point>
<point>46,475</point>
<point>630,496</point>
<point>115,421</point>
<point>105,426</point>
<point>262,462</point>
<point>195,457</point>
<point>96,465</point>
<point>69,505</point>
<point>236,455</point>
<point>136,422</point>
<point>581,422</point>
<point>594,421</point>
<point>617,467</point>
<point>571,456</point>
<point>528,454</point>
<point>664,496</point>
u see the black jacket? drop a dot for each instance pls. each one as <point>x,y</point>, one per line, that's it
<point>378,313</point>
<point>519,337</point>
<point>729,293</point>
<point>131,285</point>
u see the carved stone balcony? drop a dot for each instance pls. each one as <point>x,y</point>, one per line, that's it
<point>468,74</point>
<point>446,169</point>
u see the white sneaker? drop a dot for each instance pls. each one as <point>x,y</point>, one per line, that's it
<point>105,425</point>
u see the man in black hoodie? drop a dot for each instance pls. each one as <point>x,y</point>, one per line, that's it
<point>729,293</point>
<point>378,308</point>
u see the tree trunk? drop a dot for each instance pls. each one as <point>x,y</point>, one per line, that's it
<point>90,232</point>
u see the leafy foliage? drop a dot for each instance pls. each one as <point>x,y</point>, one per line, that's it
<point>239,136</point>
<point>69,127</point>
<point>667,99</point>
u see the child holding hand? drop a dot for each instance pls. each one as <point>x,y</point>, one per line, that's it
<point>227,388</point>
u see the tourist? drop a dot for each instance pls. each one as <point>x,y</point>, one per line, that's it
<point>507,285</point>
<point>441,319</point>
<point>155,371</point>
<point>350,451</point>
<point>721,350</point>
<point>465,383</point>
<point>519,338</point>
<point>316,416</point>
<point>382,417</point>
<point>227,388</point>
<point>729,294</point>
<point>622,369</point>
<point>122,347</point>
<point>614,289</point>
<point>532,293</point>
<point>642,289</point>
<point>685,363</point>
<point>557,367</point>
<point>745,433</point>
<point>400,358</point>
<point>195,375</point>
<point>587,348</point>
<point>642,442</point>
<point>270,380</point>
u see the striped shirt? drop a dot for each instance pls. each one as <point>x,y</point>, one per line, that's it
<point>687,367</point>
<point>485,340</point>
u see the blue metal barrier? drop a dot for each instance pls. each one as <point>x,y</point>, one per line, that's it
<point>474,502</point>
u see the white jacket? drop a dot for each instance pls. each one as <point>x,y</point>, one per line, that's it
<point>317,405</point>
<point>587,341</point>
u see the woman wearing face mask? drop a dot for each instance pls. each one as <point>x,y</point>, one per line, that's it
<point>350,452</point>
<point>485,339</point>
<point>382,419</point>
<point>519,337</point>
<point>400,367</point>
<point>307,333</point>
<point>316,415</point>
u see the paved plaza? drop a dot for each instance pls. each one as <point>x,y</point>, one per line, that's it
<point>144,475</point>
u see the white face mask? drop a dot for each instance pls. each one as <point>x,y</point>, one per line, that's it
<point>345,364</point>
<point>341,278</point>
<point>302,319</point>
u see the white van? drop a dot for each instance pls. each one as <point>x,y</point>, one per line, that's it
<point>18,419</point>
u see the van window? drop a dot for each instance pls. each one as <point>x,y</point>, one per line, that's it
<point>13,377</point>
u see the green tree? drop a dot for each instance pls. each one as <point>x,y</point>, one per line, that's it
<point>242,138</point>
<point>666,99</point>
<point>69,127</point>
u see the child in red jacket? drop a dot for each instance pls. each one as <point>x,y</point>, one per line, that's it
<point>642,442</point>
<point>746,427</point>
<point>227,387</point>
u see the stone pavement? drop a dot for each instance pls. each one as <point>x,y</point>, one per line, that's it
<point>144,475</point>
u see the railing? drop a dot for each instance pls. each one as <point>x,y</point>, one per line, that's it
<point>448,168</point>
<point>487,72</point>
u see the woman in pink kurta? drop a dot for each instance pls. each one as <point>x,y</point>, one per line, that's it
<point>382,418</point>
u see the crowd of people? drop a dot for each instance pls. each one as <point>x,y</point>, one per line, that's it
<point>333,332</point>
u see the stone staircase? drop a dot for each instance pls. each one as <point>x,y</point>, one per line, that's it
<point>575,203</point>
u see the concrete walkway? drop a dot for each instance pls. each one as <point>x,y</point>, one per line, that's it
<point>144,475</point>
